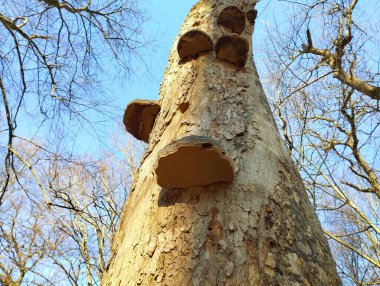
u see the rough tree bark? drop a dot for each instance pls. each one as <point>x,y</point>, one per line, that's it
<point>258,230</point>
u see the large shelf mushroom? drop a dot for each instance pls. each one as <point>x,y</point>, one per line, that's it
<point>233,49</point>
<point>139,118</point>
<point>193,161</point>
<point>232,19</point>
<point>193,44</point>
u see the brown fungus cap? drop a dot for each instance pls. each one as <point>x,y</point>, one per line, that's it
<point>251,16</point>
<point>232,19</point>
<point>194,43</point>
<point>233,49</point>
<point>193,161</point>
<point>139,118</point>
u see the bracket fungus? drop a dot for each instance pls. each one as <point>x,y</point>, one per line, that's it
<point>193,161</point>
<point>233,49</point>
<point>251,16</point>
<point>139,118</point>
<point>232,19</point>
<point>194,43</point>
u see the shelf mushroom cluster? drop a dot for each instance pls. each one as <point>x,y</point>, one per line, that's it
<point>194,161</point>
<point>231,47</point>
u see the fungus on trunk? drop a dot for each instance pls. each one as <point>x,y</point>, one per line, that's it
<point>232,19</point>
<point>251,16</point>
<point>139,118</point>
<point>193,161</point>
<point>233,49</point>
<point>194,43</point>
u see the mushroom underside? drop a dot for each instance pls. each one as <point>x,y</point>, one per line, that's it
<point>193,161</point>
<point>233,49</point>
<point>232,19</point>
<point>193,44</point>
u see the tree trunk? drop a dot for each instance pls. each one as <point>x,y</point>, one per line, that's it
<point>257,230</point>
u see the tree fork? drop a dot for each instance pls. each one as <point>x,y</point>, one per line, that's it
<point>258,229</point>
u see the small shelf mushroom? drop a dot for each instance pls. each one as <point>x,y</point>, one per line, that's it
<point>139,118</point>
<point>194,43</point>
<point>233,49</point>
<point>191,162</point>
<point>251,16</point>
<point>232,19</point>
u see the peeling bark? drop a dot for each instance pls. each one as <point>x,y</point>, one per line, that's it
<point>258,230</point>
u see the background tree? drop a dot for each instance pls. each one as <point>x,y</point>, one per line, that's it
<point>58,206</point>
<point>325,68</point>
<point>25,244</point>
<point>51,59</point>
<point>68,241</point>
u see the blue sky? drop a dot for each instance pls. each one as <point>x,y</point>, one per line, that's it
<point>164,20</point>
